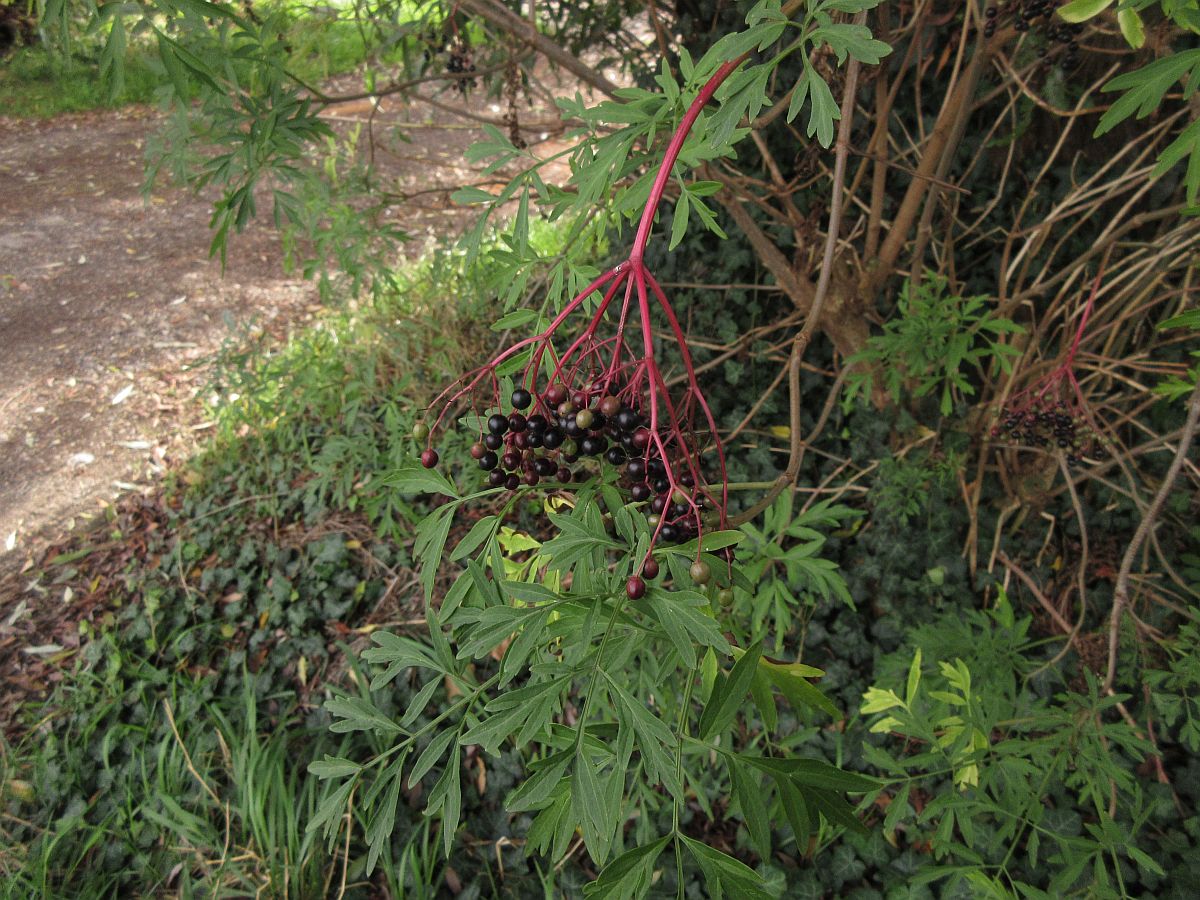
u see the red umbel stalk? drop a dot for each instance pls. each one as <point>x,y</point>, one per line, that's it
<point>1053,413</point>
<point>606,373</point>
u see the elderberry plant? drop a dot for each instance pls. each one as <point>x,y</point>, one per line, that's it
<point>592,656</point>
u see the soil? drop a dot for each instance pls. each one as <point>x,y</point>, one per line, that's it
<point>110,307</point>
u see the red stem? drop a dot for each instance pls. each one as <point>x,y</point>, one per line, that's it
<point>672,154</point>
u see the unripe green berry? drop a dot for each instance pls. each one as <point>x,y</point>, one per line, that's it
<point>700,572</point>
<point>420,431</point>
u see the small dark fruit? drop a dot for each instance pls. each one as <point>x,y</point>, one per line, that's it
<point>545,467</point>
<point>627,419</point>
<point>615,456</point>
<point>517,422</point>
<point>580,399</point>
<point>640,492</point>
<point>497,424</point>
<point>489,461</point>
<point>641,438</point>
<point>511,459</point>
<point>637,468</point>
<point>563,474</point>
<point>536,423</point>
<point>531,478</point>
<point>700,572</point>
<point>650,568</point>
<point>669,533</point>
<point>553,438</point>
<point>496,478</point>
<point>533,439</point>
<point>493,441</point>
<point>635,588</point>
<point>521,398</point>
<point>610,406</point>
<point>477,450</point>
<point>429,458</point>
<point>658,504</point>
<point>555,394</point>
<point>512,482</point>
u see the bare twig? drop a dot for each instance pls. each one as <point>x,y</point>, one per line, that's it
<point>1121,590</point>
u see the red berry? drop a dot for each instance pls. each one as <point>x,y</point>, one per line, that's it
<point>429,458</point>
<point>555,394</point>
<point>650,568</point>
<point>610,406</point>
<point>635,588</point>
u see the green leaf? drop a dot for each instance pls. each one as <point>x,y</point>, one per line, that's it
<point>534,792</point>
<point>724,873</point>
<point>1081,10</point>
<point>684,617</point>
<point>480,532</point>
<point>728,693</point>
<point>627,877</point>
<point>1131,28</point>
<point>590,809</point>
<point>333,767</point>
<point>795,687</point>
<point>356,714</point>
<point>446,797</point>
<point>679,223</point>
<point>914,678</point>
<point>654,737</point>
<point>416,479</point>
<point>747,787</point>
<point>852,40</point>
<point>430,755</point>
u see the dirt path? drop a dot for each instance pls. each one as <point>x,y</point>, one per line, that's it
<point>106,304</point>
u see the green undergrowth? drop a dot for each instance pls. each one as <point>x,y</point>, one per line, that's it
<point>41,82</point>
<point>173,757</point>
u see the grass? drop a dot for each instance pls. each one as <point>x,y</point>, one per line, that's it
<point>41,82</point>
<point>38,83</point>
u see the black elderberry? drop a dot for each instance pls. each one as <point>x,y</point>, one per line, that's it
<point>496,478</point>
<point>679,509</point>
<point>517,422</point>
<point>536,423</point>
<point>521,398</point>
<point>511,459</point>
<point>533,439</point>
<point>545,467</point>
<point>669,533</point>
<point>991,12</point>
<point>637,468</point>
<point>592,445</point>
<point>531,478</point>
<point>627,419</point>
<point>640,492</point>
<point>553,438</point>
<point>572,427</point>
<point>555,394</point>
<point>658,504</point>
<point>493,441</point>
<point>488,461</point>
<point>563,474</point>
<point>615,456</point>
<point>497,424</point>
<point>661,485</point>
<point>656,468</point>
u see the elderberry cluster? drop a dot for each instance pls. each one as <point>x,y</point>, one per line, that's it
<point>461,62</point>
<point>1048,425</point>
<point>1026,16</point>
<point>561,434</point>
